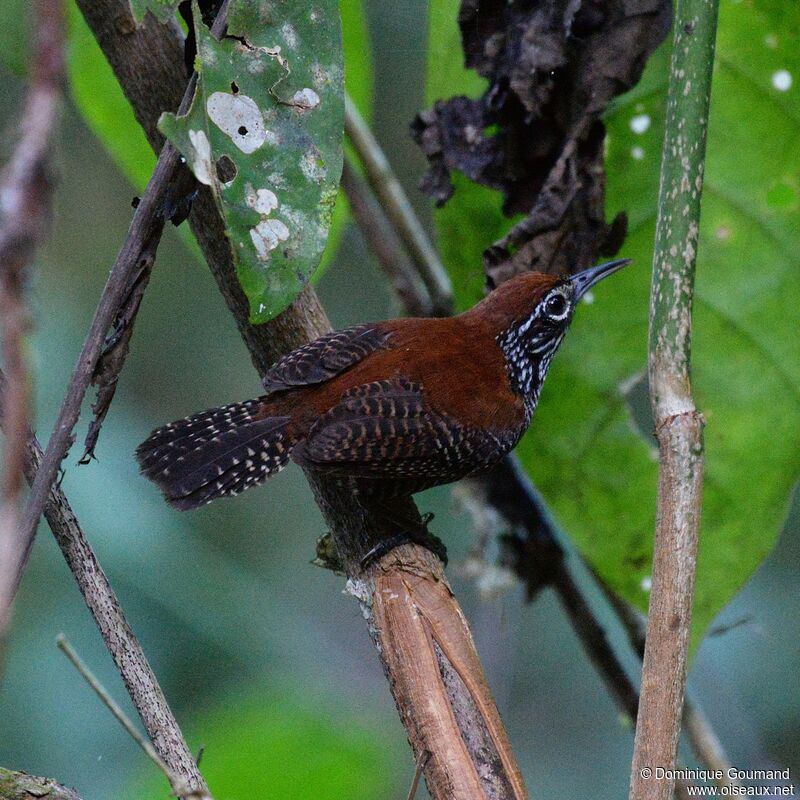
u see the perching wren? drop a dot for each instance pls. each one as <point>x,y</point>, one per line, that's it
<point>394,407</point>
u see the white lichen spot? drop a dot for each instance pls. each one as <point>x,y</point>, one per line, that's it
<point>263,200</point>
<point>771,41</point>
<point>588,298</point>
<point>255,66</point>
<point>305,99</point>
<point>723,233</point>
<point>647,583</point>
<point>321,77</point>
<point>640,123</point>
<point>782,80</point>
<point>276,179</point>
<point>637,153</point>
<point>239,117</point>
<point>267,235</point>
<point>313,166</point>
<point>289,35</point>
<point>202,166</point>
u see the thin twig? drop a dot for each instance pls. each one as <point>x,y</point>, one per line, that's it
<point>385,244</point>
<point>679,426</point>
<point>397,206</point>
<point>422,760</point>
<point>122,644</point>
<point>25,189</point>
<point>177,784</point>
<point>138,248</point>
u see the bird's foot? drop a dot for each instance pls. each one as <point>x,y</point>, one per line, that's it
<point>410,534</point>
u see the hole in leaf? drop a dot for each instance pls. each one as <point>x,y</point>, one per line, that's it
<point>242,130</point>
<point>234,87</point>
<point>226,169</point>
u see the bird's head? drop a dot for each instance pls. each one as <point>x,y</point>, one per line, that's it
<point>532,312</point>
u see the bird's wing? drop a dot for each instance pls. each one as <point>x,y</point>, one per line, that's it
<point>386,429</point>
<point>325,357</point>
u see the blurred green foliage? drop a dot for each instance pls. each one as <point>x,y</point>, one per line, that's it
<point>593,462</point>
<point>292,750</point>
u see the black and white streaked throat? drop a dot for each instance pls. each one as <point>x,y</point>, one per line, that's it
<point>530,344</point>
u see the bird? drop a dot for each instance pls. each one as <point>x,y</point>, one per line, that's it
<point>389,408</point>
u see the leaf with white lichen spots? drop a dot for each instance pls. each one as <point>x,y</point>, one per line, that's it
<point>265,133</point>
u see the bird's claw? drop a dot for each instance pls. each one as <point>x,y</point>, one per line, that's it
<point>418,535</point>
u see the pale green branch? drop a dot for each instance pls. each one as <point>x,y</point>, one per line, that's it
<point>679,426</point>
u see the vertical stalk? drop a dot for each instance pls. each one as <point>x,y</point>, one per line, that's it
<point>679,426</point>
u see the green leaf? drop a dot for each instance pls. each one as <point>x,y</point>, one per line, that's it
<point>265,133</point>
<point>104,107</point>
<point>591,461</point>
<point>108,114</point>
<point>271,742</point>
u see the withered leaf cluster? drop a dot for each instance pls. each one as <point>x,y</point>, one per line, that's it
<point>536,133</point>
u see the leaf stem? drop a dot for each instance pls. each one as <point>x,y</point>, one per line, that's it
<point>398,208</point>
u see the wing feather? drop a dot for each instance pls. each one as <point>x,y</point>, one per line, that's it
<point>386,430</point>
<point>325,357</point>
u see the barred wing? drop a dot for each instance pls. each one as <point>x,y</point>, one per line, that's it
<point>385,430</point>
<point>325,357</point>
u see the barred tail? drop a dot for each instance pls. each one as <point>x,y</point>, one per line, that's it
<point>217,453</point>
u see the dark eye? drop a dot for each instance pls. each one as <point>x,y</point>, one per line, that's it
<point>556,306</point>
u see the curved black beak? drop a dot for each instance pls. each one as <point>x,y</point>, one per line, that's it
<point>583,281</point>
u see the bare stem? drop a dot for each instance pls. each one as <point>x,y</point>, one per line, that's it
<point>178,786</point>
<point>383,239</point>
<point>397,206</point>
<point>24,214</point>
<point>120,640</point>
<point>679,426</point>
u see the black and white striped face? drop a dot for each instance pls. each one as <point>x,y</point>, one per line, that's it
<point>530,344</point>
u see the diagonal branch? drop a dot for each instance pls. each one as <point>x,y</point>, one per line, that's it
<point>24,214</point>
<point>393,198</point>
<point>679,426</point>
<point>385,244</point>
<point>123,646</point>
<point>165,189</point>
